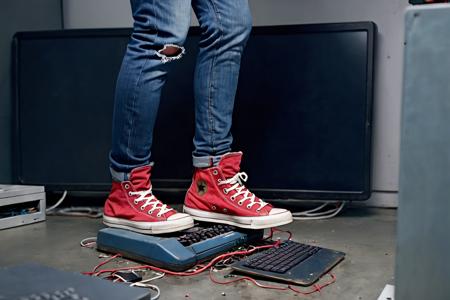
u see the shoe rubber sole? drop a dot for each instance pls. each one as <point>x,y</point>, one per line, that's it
<point>150,227</point>
<point>261,222</point>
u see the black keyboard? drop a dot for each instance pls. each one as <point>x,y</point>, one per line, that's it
<point>291,261</point>
<point>282,258</point>
<point>198,234</point>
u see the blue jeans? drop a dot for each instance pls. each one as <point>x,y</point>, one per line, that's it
<point>159,31</point>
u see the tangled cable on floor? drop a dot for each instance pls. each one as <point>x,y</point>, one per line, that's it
<point>218,263</point>
<point>317,214</point>
<point>78,211</point>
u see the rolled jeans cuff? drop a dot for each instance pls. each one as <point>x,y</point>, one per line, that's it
<point>122,176</point>
<point>205,161</point>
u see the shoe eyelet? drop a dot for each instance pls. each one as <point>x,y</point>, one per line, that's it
<point>142,207</point>
<point>248,206</point>
<point>135,202</point>
<point>232,198</point>
<point>129,194</point>
<point>225,191</point>
<point>150,212</point>
<point>158,215</point>
<point>215,172</point>
<point>127,186</point>
<point>213,207</point>
<point>240,203</point>
<point>219,180</point>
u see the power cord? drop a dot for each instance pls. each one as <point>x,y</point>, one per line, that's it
<point>317,214</point>
<point>144,284</point>
<point>89,242</point>
<point>80,211</point>
<point>58,203</point>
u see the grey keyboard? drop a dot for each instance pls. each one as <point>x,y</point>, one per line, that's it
<point>36,282</point>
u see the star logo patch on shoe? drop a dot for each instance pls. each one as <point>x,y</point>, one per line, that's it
<point>201,187</point>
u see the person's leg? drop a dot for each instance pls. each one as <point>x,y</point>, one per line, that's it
<point>226,26</point>
<point>159,31</point>
<point>160,28</point>
<point>217,193</point>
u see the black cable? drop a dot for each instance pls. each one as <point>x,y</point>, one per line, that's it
<point>62,13</point>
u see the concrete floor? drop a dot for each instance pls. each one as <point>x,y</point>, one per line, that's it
<point>366,235</point>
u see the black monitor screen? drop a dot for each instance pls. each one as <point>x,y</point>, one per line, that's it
<point>302,112</point>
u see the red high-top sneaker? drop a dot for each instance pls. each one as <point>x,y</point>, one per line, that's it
<point>218,194</point>
<point>131,205</point>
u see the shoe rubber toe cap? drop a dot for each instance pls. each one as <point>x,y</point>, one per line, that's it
<point>179,216</point>
<point>277,211</point>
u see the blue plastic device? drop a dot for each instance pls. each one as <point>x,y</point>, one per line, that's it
<point>168,252</point>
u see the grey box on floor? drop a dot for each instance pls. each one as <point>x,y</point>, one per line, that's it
<point>21,205</point>
<point>423,243</point>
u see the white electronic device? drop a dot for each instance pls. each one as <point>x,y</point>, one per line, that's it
<point>21,205</point>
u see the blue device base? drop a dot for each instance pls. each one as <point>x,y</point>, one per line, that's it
<point>173,252</point>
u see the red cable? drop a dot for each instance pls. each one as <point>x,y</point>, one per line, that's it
<point>273,287</point>
<point>317,288</point>
<point>274,229</point>
<point>105,262</point>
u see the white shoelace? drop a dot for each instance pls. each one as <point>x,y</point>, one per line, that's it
<point>237,182</point>
<point>150,199</point>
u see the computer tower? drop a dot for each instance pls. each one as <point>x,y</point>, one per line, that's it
<point>423,243</point>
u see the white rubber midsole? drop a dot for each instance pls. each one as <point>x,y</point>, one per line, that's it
<point>261,222</point>
<point>150,227</point>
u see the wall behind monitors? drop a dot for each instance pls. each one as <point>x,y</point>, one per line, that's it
<point>302,112</point>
